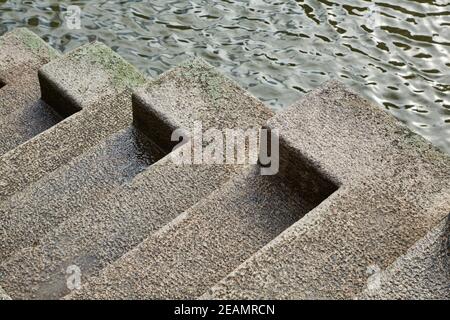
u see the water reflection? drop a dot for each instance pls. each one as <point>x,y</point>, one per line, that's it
<point>395,53</point>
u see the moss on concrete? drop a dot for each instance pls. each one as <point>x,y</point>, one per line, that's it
<point>211,81</point>
<point>34,42</point>
<point>123,74</point>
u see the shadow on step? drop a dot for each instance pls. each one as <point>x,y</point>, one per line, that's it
<point>211,239</point>
<point>27,114</point>
<point>23,124</point>
<point>78,185</point>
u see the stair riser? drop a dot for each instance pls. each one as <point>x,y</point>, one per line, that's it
<point>113,226</point>
<point>212,238</point>
<point>103,102</point>
<point>30,214</point>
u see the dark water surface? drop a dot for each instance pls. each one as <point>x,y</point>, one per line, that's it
<point>396,53</point>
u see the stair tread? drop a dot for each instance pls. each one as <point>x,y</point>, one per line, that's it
<point>59,144</point>
<point>22,114</point>
<point>22,52</point>
<point>31,213</point>
<point>15,97</point>
<point>374,216</point>
<point>208,241</point>
<point>422,273</point>
<point>104,231</point>
<point>22,125</point>
<point>99,116</point>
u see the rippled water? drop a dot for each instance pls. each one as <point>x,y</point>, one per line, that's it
<point>394,52</point>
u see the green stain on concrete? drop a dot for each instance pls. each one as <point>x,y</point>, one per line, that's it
<point>34,42</point>
<point>213,83</point>
<point>123,74</point>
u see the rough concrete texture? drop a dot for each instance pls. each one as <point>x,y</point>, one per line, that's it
<point>56,146</point>
<point>23,124</point>
<point>422,273</point>
<point>357,193</point>
<point>104,232</point>
<point>105,109</point>
<point>205,243</point>
<point>117,222</point>
<point>394,188</point>
<point>204,95</point>
<point>22,114</point>
<point>22,50</point>
<point>104,74</point>
<point>29,214</point>
<point>17,97</point>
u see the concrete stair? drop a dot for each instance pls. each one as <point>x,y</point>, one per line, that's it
<point>23,114</point>
<point>116,222</point>
<point>22,125</point>
<point>87,179</point>
<point>205,243</point>
<point>101,234</point>
<point>12,99</point>
<point>373,218</point>
<point>92,112</point>
<point>28,215</point>
<point>423,272</point>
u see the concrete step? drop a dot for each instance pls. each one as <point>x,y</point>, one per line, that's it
<point>28,215</point>
<point>394,188</point>
<point>422,273</point>
<point>101,234</point>
<point>22,53</point>
<point>22,114</point>
<point>104,231</point>
<point>95,107</point>
<point>22,125</point>
<point>14,97</point>
<point>205,243</point>
<point>356,191</point>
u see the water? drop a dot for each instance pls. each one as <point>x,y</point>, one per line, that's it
<point>396,53</point>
